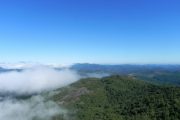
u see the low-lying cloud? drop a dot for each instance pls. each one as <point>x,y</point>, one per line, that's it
<point>36,79</point>
<point>21,88</point>
<point>95,75</point>
<point>35,108</point>
<point>20,92</point>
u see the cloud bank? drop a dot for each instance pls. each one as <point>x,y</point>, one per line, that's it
<point>36,79</point>
<point>35,108</point>
<point>32,81</point>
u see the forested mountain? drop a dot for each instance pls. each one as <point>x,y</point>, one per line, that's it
<point>119,98</point>
<point>130,92</point>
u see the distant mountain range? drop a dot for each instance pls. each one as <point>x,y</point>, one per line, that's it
<point>163,74</point>
<point>125,68</point>
<point>160,74</point>
<point>8,70</point>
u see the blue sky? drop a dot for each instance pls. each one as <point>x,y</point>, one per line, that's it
<point>95,31</point>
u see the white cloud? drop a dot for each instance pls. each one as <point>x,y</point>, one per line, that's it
<point>95,75</point>
<point>35,107</point>
<point>32,79</point>
<point>36,79</point>
<point>25,65</point>
<point>19,65</point>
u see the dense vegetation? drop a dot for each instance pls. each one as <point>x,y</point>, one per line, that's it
<point>120,98</point>
<point>164,78</point>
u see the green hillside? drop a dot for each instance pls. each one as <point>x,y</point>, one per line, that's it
<point>119,98</point>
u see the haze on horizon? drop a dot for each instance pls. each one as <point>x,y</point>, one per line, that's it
<point>91,31</point>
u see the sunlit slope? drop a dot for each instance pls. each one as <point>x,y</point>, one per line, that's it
<point>119,98</point>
